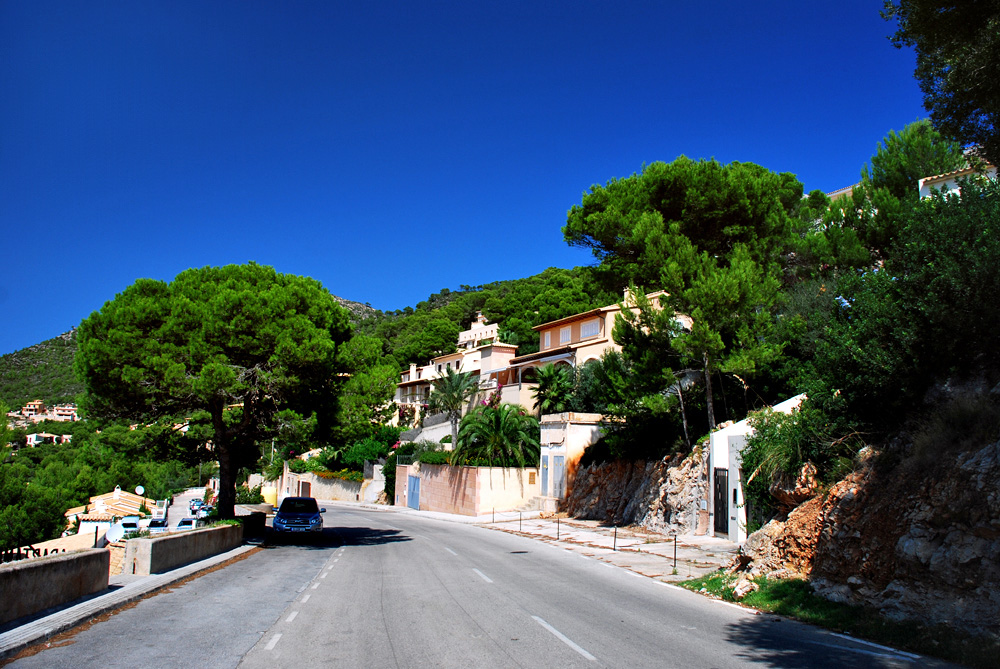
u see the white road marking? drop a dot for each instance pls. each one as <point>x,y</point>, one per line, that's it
<point>305,598</point>
<point>335,560</point>
<point>671,585</point>
<point>291,617</point>
<point>862,651</point>
<point>323,575</point>
<point>483,576</point>
<point>450,551</point>
<point>744,609</point>
<point>273,642</point>
<point>608,565</point>
<point>912,656</point>
<point>315,585</point>
<point>394,528</point>
<point>562,637</point>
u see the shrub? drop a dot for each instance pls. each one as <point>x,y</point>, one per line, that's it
<point>435,457</point>
<point>782,444</point>
<point>343,474</point>
<point>246,495</point>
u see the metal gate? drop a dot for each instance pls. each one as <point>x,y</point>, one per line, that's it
<point>305,489</point>
<point>722,500</point>
<point>559,476</point>
<point>413,492</point>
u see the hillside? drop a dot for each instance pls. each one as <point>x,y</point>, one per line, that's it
<point>43,371</point>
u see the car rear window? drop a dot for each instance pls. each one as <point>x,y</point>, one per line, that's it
<point>298,505</point>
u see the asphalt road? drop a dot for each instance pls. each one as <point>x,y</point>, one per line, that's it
<point>392,590</point>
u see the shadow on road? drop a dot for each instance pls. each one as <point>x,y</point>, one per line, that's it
<point>369,536</point>
<point>777,643</point>
<point>333,537</point>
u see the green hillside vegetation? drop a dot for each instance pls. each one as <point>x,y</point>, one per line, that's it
<point>37,485</point>
<point>43,371</point>
<point>415,335</point>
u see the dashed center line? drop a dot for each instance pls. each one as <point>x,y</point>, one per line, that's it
<point>450,551</point>
<point>273,642</point>
<point>323,575</point>
<point>483,576</point>
<point>305,598</point>
<point>315,585</point>
<point>291,617</point>
<point>565,639</point>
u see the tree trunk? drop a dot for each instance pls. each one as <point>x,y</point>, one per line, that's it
<point>684,416</point>
<point>708,395</point>
<point>454,433</point>
<point>227,471</point>
<point>227,484</point>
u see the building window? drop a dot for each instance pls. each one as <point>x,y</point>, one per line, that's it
<point>548,340</point>
<point>590,329</point>
<point>564,334</point>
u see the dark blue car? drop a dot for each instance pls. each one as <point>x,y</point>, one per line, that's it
<point>298,514</point>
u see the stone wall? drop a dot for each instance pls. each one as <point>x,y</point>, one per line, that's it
<point>160,554</point>
<point>663,496</point>
<point>30,586</point>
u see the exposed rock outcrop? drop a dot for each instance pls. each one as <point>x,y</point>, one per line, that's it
<point>662,496</point>
<point>917,540</point>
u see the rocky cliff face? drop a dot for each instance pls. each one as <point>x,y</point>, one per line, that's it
<point>662,496</point>
<point>917,540</point>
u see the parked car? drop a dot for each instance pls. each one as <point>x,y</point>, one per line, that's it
<point>204,511</point>
<point>196,504</point>
<point>298,514</point>
<point>157,525</point>
<point>130,524</point>
<point>187,524</point>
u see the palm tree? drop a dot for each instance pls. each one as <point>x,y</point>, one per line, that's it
<point>450,394</point>
<point>555,386</point>
<point>504,436</point>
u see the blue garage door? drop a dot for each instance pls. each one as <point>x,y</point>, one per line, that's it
<point>413,492</point>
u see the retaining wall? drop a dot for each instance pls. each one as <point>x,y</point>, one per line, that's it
<point>160,554</point>
<point>35,585</point>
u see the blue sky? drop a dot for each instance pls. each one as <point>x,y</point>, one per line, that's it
<point>391,149</point>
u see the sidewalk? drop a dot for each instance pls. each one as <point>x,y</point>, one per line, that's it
<point>631,548</point>
<point>122,591</point>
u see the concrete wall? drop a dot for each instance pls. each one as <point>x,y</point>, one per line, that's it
<point>319,487</point>
<point>31,586</point>
<point>402,472</point>
<point>334,489</point>
<point>505,489</point>
<point>519,393</point>
<point>448,489</point>
<point>468,491</point>
<point>371,488</point>
<point>155,556</point>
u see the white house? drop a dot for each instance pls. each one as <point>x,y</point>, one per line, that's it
<point>948,181</point>
<point>727,507</point>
